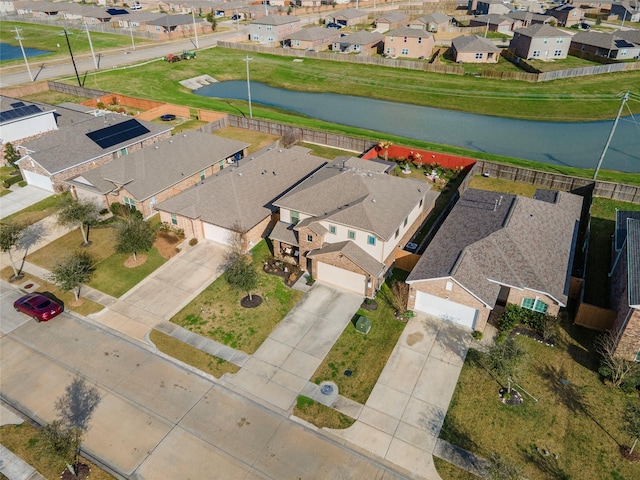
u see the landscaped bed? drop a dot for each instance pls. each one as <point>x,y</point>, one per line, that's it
<point>217,313</point>
<point>573,431</point>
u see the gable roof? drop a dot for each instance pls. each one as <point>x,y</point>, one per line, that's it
<point>360,38</point>
<point>435,17</point>
<point>357,197</point>
<point>174,20</point>
<point>610,41</point>
<point>540,30</point>
<point>493,19</point>
<point>491,239</point>
<point>408,32</point>
<point>633,261</point>
<point>313,33</point>
<point>155,168</point>
<point>620,235</point>
<point>243,196</point>
<point>275,20</point>
<point>70,145</point>
<point>350,13</point>
<point>392,17</point>
<point>528,16</point>
<point>472,44</point>
<point>354,253</point>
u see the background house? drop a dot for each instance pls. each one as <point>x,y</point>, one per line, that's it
<point>608,45</point>
<point>495,23</point>
<point>629,10</point>
<point>171,26</point>
<point>625,284</point>
<point>364,43</point>
<point>157,172</point>
<point>474,49</point>
<point>391,20</point>
<point>21,120</point>
<point>239,199</point>
<point>528,18</point>
<point>485,7</point>
<point>345,222</point>
<point>272,29</point>
<point>313,38</point>
<point>567,15</point>
<point>540,42</point>
<point>433,22</point>
<point>408,42</point>
<point>494,249</point>
<point>348,17</point>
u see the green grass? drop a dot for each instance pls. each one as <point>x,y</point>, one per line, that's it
<point>36,212</point>
<point>191,355</point>
<point>364,355</point>
<point>326,152</point>
<point>501,185</point>
<point>23,441</point>
<point>54,98</point>
<point>217,313</point>
<point>579,422</point>
<point>258,140</point>
<point>448,471</point>
<point>320,415</point>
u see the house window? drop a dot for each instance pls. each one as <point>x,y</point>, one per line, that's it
<point>356,47</point>
<point>123,151</point>
<point>391,39</point>
<point>295,217</point>
<point>351,234</point>
<point>221,164</point>
<point>202,175</point>
<point>270,38</point>
<point>479,56</point>
<point>309,238</point>
<point>405,51</point>
<point>406,220</point>
<point>405,39</point>
<point>534,304</point>
<point>638,356</point>
<point>388,51</point>
<point>419,39</point>
<point>174,219</point>
<point>332,229</point>
<point>296,43</point>
<point>449,286</point>
<point>557,53</point>
<point>546,40</point>
<point>371,240</point>
<point>559,40</point>
<point>536,53</point>
<point>130,202</point>
<point>623,53</point>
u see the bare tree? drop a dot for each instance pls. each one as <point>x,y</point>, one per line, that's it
<point>613,364</point>
<point>399,296</point>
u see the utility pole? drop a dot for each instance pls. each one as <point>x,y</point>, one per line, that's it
<point>195,31</point>
<point>86,27</point>
<point>133,45</point>
<point>72,59</point>
<point>613,129</point>
<point>266,10</point>
<point>24,55</point>
<point>248,59</point>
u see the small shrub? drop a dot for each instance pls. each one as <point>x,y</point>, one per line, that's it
<point>193,242</point>
<point>101,105</point>
<point>477,335</point>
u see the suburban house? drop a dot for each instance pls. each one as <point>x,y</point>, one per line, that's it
<point>23,120</point>
<point>348,17</point>
<point>362,42</point>
<point>391,20</point>
<point>567,15</point>
<point>272,29</point>
<point>486,7</point>
<point>434,22</point>
<point>38,9</point>
<point>540,42</point>
<point>239,199</point>
<point>595,6</point>
<point>528,18</point>
<point>409,42</point>
<point>137,19</point>
<point>474,49</point>
<point>629,10</point>
<point>49,160</point>
<point>313,38</point>
<point>608,45</point>
<point>494,249</point>
<point>158,172</point>
<point>170,26</point>
<point>345,222</point>
<point>495,23</point>
<point>625,284</point>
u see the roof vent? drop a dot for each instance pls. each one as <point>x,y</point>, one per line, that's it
<point>157,147</point>
<point>170,141</point>
<point>274,173</point>
<point>184,135</point>
<point>373,200</point>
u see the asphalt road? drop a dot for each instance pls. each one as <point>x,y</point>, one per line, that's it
<point>157,419</point>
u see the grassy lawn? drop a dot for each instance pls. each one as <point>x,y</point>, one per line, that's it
<point>36,212</point>
<point>111,276</point>
<point>258,139</point>
<point>580,422</point>
<point>191,355</point>
<point>450,472</point>
<point>364,355</point>
<point>54,98</point>
<point>320,415</point>
<point>87,307</point>
<point>501,185</point>
<point>564,64</point>
<point>217,313</point>
<point>23,441</point>
<point>326,152</point>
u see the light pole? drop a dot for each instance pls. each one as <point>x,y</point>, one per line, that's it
<point>613,129</point>
<point>24,55</point>
<point>195,30</point>
<point>248,59</point>
<point>93,55</point>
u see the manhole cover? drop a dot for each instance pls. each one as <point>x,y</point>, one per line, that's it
<point>348,373</point>
<point>326,389</point>
<point>28,286</point>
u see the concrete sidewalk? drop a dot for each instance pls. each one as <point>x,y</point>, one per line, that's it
<point>21,198</point>
<point>12,466</point>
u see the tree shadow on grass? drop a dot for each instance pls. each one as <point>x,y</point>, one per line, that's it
<point>544,461</point>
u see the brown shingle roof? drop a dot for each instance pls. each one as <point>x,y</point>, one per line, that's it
<point>354,253</point>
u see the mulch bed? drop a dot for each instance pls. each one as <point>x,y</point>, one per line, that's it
<point>514,400</point>
<point>252,302</point>
<point>131,263</point>
<point>369,306</point>
<point>290,278</point>
<point>634,457</point>
<point>82,469</point>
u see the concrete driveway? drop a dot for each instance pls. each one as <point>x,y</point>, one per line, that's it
<point>21,197</point>
<point>403,415</point>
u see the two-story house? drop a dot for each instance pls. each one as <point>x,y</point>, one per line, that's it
<point>540,42</point>
<point>273,29</point>
<point>567,15</point>
<point>408,42</point>
<point>344,223</point>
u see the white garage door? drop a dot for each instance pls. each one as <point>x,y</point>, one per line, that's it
<point>341,278</point>
<point>217,234</point>
<point>37,180</point>
<point>446,309</point>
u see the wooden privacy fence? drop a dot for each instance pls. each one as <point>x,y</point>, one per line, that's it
<point>405,260</point>
<point>594,317</point>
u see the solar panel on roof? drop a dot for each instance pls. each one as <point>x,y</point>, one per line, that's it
<point>19,112</point>
<point>117,11</point>
<point>17,104</point>
<point>119,133</point>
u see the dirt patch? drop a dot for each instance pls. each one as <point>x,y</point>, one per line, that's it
<point>77,303</point>
<point>414,338</point>
<point>133,263</point>
<point>166,244</point>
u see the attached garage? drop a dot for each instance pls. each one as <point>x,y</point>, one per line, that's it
<point>341,278</point>
<point>37,180</point>
<point>446,309</point>
<point>216,233</point>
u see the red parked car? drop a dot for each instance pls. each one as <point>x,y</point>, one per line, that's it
<point>38,306</point>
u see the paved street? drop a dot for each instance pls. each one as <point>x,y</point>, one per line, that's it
<point>157,420</point>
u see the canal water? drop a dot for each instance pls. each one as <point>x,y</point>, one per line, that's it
<point>568,144</point>
<point>13,52</point>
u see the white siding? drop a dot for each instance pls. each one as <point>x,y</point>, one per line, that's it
<point>344,279</point>
<point>217,234</point>
<point>446,309</point>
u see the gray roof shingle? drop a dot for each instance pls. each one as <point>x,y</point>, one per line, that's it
<point>242,197</point>
<point>473,43</point>
<point>620,234</point>
<point>491,239</point>
<point>361,38</point>
<point>155,168</point>
<point>313,33</point>
<point>408,32</point>
<point>354,253</point>
<point>275,20</point>
<point>540,30</point>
